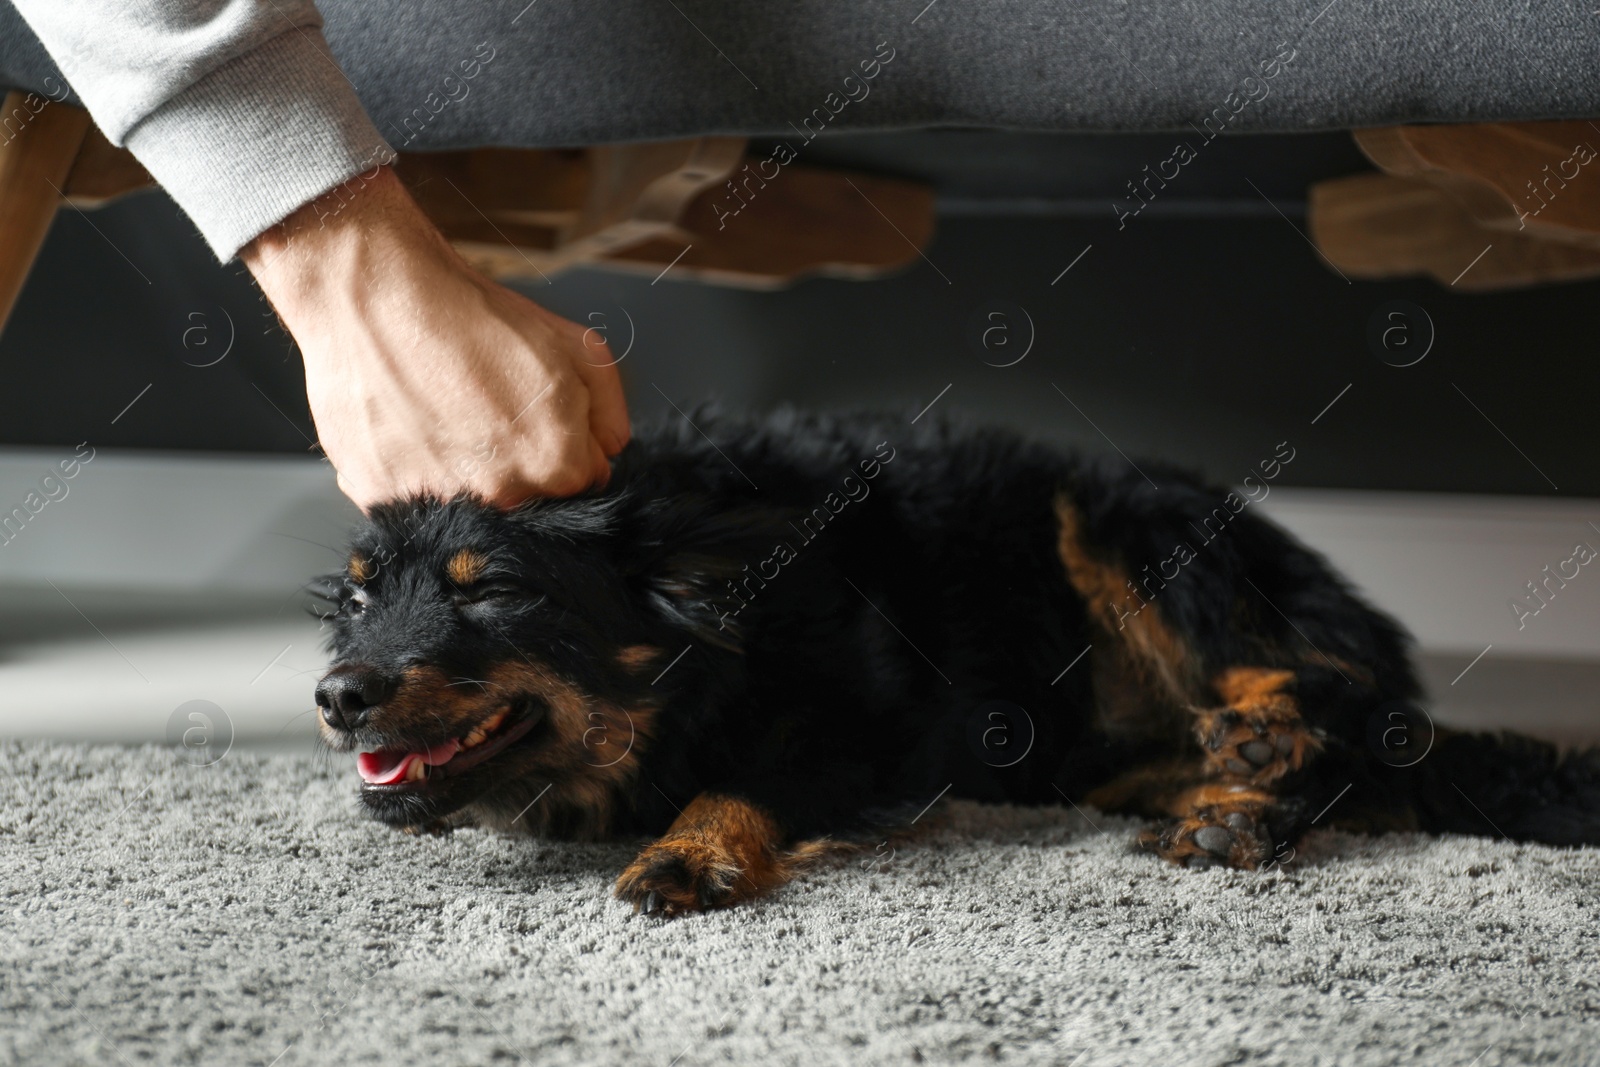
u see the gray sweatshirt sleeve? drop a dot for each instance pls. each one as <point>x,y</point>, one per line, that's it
<point>235,106</point>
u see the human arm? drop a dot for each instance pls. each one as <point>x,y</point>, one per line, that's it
<point>236,107</point>
<point>422,375</point>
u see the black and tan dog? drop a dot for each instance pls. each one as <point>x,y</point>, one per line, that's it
<point>800,636</point>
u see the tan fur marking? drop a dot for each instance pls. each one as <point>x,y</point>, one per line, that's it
<point>360,567</point>
<point>637,657</point>
<point>465,566</point>
<point>592,754</point>
<point>1260,715</point>
<point>721,850</point>
<point>1155,649</point>
<point>1214,794</point>
<point>1244,687</point>
<point>1171,787</point>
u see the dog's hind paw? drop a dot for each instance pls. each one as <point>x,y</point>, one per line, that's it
<point>1211,837</point>
<point>1257,735</point>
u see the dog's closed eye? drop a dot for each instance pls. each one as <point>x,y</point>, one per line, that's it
<point>496,596</point>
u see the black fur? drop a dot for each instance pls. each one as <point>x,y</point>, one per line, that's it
<point>851,685</point>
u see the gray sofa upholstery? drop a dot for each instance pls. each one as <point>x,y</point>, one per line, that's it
<point>563,72</point>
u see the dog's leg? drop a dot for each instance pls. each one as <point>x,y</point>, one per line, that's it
<point>723,849</point>
<point>1243,801</point>
<point>1239,646</point>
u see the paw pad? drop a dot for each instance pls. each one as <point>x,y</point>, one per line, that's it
<point>1259,744</point>
<point>1214,839</point>
<point>1259,752</point>
<point>1210,838</point>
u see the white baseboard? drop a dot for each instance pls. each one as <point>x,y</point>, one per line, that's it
<point>1447,566</point>
<point>175,579</point>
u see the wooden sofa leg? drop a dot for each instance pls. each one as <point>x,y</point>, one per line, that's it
<point>39,140</point>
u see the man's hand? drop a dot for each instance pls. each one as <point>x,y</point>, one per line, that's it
<point>422,374</point>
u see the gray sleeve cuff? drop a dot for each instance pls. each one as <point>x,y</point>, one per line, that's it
<point>257,138</point>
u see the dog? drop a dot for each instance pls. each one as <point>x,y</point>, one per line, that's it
<point>771,640</point>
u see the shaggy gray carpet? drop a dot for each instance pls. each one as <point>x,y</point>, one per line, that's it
<point>152,911</point>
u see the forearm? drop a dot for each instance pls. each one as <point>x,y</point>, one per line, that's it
<point>235,106</point>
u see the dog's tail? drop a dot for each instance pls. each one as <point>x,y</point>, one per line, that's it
<point>1504,784</point>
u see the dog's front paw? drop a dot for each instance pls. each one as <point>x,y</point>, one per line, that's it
<point>721,850</point>
<point>677,875</point>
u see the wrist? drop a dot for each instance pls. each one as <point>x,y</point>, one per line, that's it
<point>334,253</point>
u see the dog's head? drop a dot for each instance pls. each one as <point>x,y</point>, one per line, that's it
<point>489,658</point>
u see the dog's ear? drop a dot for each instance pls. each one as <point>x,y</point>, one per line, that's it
<point>686,553</point>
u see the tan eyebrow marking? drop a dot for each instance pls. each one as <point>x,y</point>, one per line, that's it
<point>360,567</point>
<point>637,657</point>
<point>466,566</point>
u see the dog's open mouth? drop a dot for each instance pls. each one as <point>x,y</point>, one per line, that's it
<point>396,769</point>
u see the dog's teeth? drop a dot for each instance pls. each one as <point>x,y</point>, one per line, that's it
<point>481,732</point>
<point>417,771</point>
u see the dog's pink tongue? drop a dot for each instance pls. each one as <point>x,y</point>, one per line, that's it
<point>390,765</point>
<point>382,768</point>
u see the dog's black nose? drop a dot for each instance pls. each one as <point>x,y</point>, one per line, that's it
<point>347,695</point>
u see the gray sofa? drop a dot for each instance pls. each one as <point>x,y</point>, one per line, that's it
<point>566,73</point>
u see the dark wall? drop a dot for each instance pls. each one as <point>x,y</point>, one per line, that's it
<point>1205,335</point>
